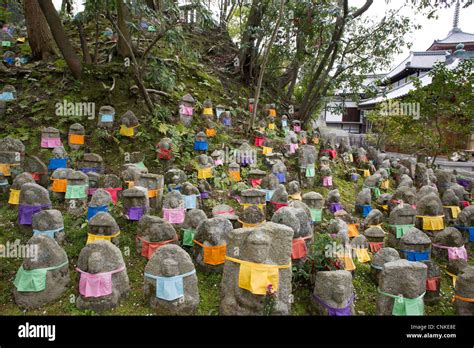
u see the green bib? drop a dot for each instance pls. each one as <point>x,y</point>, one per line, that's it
<point>376,192</point>
<point>76,191</point>
<point>188,237</point>
<point>316,215</point>
<point>403,306</point>
<point>140,165</point>
<point>33,280</point>
<point>310,172</point>
<point>400,230</point>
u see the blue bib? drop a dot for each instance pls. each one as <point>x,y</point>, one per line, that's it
<point>50,233</point>
<point>56,163</point>
<point>416,255</point>
<point>170,288</point>
<point>470,230</point>
<point>366,209</point>
<point>105,118</point>
<point>92,211</point>
<point>281,177</point>
<point>7,96</point>
<point>200,145</point>
<point>190,201</point>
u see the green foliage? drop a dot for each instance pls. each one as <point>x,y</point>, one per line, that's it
<point>446,113</point>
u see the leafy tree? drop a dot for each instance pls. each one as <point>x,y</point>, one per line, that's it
<point>446,113</point>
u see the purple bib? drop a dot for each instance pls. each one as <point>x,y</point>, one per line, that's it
<point>26,212</point>
<point>338,312</point>
<point>135,213</point>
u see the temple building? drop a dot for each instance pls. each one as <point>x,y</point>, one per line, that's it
<point>342,112</point>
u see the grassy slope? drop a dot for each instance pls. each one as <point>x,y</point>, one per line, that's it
<point>200,74</point>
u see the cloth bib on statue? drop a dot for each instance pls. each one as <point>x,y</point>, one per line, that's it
<point>256,277</point>
<point>174,216</point>
<point>33,280</point>
<point>170,288</point>
<point>316,214</point>
<point>56,163</point>
<point>14,197</point>
<point>400,230</point>
<point>76,191</point>
<point>92,211</point>
<point>338,312</point>
<point>432,223</point>
<point>205,173</point>
<point>188,237</point>
<point>406,306</point>
<point>213,255</point>
<point>190,201</point>
<point>91,238</point>
<point>149,248</point>
<point>96,284</point>
<point>76,139</point>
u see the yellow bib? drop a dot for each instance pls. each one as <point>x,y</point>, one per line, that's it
<point>14,197</point>
<point>126,131</point>
<point>351,158</point>
<point>295,197</point>
<point>267,150</point>
<point>454,278</point>
<point>353,230</point>
<point>365,171</point>
<point>385,185</point>
<point>208,111</point>
<point>205,173</point>
<point>349,264</point>
<point>455,210</point>
<point>432,223</point>
<point>91,238</point>
<point>255,277</point>
<point>271,126</point>
<point>130,184</point>
<point>246,225</point>
<point>247,205</point>
<point>5,169</point>
<point>362,255</point>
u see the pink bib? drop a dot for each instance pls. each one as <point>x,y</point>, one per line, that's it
<point>457,253</point>
<point>293,148</point>
<point>96,285</point>
<point>50,142</point>
<point>327,181</point>
<point>186,110</point>
<point>174,216</point>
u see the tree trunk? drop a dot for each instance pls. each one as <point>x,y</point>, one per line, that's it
<point>264,64</point>
<point>122,47</point>
<point>85,50</point>
<point>151,4</point>
<point>247,45</point>
<point>39,36</point>
<point>96,45</point>
<point>61,38</point>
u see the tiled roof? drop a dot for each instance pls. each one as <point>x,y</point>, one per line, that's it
<point>418,60</point>
<point>456,36</point>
